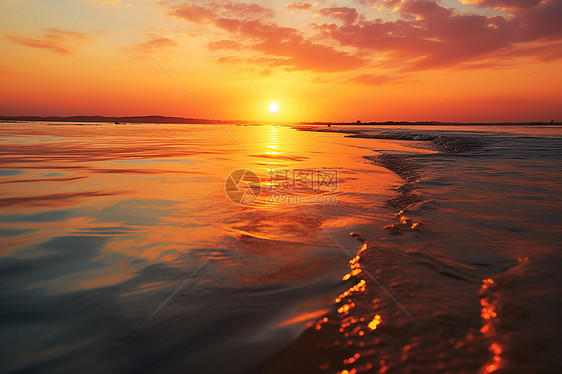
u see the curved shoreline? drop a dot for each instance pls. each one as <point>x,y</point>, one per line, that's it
<point>314,351</point>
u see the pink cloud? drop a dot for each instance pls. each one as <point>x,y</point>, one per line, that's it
<point>347,15</point>
<point>56,33</point>
<point>193,13</point>
<point>56,40</point>
<point>200,14</point>
<point>544,52</point>
<point>155,43</point>
<point>243,10</point>
<point>509,4</point>
<point>39,43</point>
<point>381,3</point>
<point>542,21</point>
<point>269,61</point>
<point>288,42</point>
<point>224,44</point>
<point>425,8</point>
<point>296,51</point>
<point>299,6</point>
<point>432,35</point>
<point>437,37</point>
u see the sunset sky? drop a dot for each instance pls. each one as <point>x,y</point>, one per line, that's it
<point>462,60</point>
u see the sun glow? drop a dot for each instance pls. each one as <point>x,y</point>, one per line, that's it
<point>273,107</point>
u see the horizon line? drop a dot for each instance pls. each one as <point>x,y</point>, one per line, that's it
<point>193,120</point>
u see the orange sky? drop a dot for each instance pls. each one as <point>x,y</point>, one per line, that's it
<point>466,60</point>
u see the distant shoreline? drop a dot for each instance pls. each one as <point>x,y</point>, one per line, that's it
<point>129,119</point>
<point>430,123</point>
<point>182,120</point>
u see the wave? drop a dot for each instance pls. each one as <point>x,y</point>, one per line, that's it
<point>444,143</point>
<point>436,266</point>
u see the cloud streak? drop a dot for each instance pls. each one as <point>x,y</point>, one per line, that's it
<point>155,43</point>
<point>55,40</point>
<point>246,22</point>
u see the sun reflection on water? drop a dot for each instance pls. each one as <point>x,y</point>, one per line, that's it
<point>489,317</point>
<point>375,322</point>
<point>273,140</point>
<point>355,325</point>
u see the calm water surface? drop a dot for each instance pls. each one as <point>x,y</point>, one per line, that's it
<point>120,251</point>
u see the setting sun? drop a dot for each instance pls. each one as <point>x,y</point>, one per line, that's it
<point>274,107</point>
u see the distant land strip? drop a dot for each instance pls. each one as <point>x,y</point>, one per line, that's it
<point>133,119</point>
<point>183,120</point>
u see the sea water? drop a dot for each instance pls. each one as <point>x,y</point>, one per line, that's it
<point>121,251</point>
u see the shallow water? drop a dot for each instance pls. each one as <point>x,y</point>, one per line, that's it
<point>122,253</point>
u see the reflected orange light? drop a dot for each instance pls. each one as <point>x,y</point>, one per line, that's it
<point>497,350</point>
<point>344,309</point>
<point>375,322</point>
<point>488,310</point>
<point>487,282</point>
<point>352,371</point>
<point>489,315</point>
<point>352,325</point>
<point>351,360</point>
<point>305,317</point>
<point>359,287</point>
<point>354,264</point>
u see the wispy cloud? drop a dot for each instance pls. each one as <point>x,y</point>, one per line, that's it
<point>299,6</point>
<point>368,79</point>
<point>225,44</point>
<point>155,43</point>
<point>345,14</point>
<point>105,2</point>
<point>56,40</point>
<point>508,4</point>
